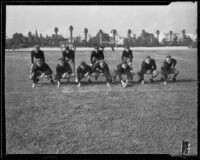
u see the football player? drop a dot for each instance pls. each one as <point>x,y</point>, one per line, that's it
<point>83,70</point>
<point>63,71</point>
<point>148,67</point>
<point>41,69</point>
<point>168,67</point>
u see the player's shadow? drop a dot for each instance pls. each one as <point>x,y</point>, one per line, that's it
<point>40,84</point>
<point>67,83</point>
<point>182,80</point>
<point>94,83</point>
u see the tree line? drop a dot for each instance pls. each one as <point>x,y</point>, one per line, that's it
<point>145,39</point>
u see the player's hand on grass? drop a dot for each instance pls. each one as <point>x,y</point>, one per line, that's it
<point>79,85</point>
<point>64,75</point>
<point>58,85</point>
<point>123,84</point>
<point>86,75</point>
<point>108,84</point>
<point>33,85</point>
<point>42,75</point>
<point>76,80</point>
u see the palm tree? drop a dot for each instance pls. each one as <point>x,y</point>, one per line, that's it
<point>85,32</point>
<point>114,32</point>
<point>100,31</point>
<point>143,33</point>
<point>71,29</point>
<point>129,34</point>
<point>56,31</point>
<point>158,33</point>
<point>30,37</point>
<point>36,37</point>
<point>170,34</point>
<point>183,33</point>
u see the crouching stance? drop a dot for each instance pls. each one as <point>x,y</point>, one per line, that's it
<point>35,54</point>
<point>63,71</point>
<point>169,68</point>
<point>122,69</point>
<point>102,67</point>
<point>41,69</point>
<point>69,56</point>
<point>148,67</point>
<point>96,55</point>
<point>83,70</point>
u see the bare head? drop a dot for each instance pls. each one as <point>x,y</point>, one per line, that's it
<point>96,49</point>
<point>83,64</point>
<point>61,62</point>
<point>168,59</point>
<point>37,48</point>
<point>67,48</point>
<point>127,48</point>
<point>148,59</point>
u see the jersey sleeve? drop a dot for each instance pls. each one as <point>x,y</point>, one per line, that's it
<point>174,63</point>
<point>32,56</point>
<point>91,56</point>
<point>69,69</point>
<point>78,70</point>
<point>34,69</point>
<point>42,54</point>
<point>73,55</point>
<point>47,69</point>
<point>143,67</point>
<point>131,55</point>
<point>154,64</point>
<point>57,69</point>
<point>106,67</point>
<point>122,57</point>
<point>102,55</point>
<point>63,55</point>
<point>89,69</point>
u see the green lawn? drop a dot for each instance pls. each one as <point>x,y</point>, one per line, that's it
<point>150,118</point>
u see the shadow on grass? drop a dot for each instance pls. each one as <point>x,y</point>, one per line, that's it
<point>85,83</point>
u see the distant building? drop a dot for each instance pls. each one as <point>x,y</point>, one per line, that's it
<point>193,36</point>
<point>179,36</point>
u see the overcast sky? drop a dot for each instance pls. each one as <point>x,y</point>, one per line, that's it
<point>175,17</point>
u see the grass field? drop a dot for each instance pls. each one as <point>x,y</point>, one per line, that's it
<point>150,118</point>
